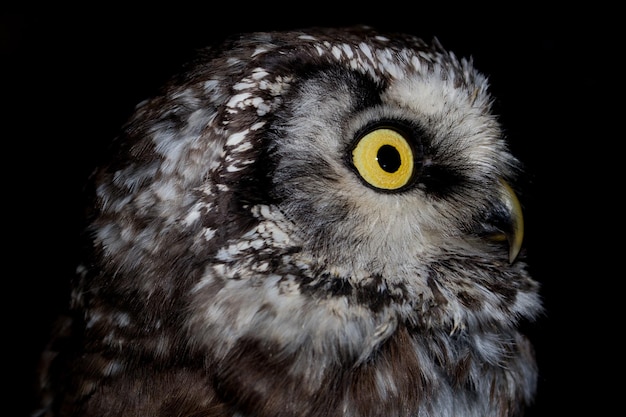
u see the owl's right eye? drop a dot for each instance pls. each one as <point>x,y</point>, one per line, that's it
<point>384,158</point>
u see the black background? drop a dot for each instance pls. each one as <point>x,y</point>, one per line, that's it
<point>71,79</point>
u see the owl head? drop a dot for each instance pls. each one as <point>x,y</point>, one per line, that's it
<point>315,223</point>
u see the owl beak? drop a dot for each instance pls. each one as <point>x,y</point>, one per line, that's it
<point>513,227</point>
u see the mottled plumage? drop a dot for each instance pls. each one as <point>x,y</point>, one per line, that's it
<point>307,223</point>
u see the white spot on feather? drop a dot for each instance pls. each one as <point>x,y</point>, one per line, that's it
<point>237,100</point>
<point>208,233</point>
<point>336,51</point>
<point>259,51</point>
<point>347,50</point>
<point>191,217</point>
<point>167,191</point>
<point>243,85</point>
<point>257,126</point>
<point>233,168</point>
<point>367,51</point>
<point>211,85</point>
<point>236,138</point>
<point>243,147</point>
<point>259,73</point>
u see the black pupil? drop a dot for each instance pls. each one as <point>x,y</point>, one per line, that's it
<point>388,158</point>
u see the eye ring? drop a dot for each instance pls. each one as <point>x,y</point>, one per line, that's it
<point>384,158</point>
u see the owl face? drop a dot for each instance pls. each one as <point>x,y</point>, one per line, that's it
<point>311,223</point>
<point>410,179</point>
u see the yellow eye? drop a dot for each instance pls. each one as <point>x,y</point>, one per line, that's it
<point>384,159</point>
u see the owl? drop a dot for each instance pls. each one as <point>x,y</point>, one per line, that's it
<point>314,223</point>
